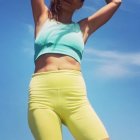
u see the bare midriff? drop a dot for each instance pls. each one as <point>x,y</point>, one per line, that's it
<point>50,62</point>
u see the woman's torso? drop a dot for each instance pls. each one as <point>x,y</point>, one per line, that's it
<point>48,62</point>
<point>51,61</point>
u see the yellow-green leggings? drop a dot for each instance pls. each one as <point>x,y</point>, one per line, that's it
<point>59,97</point>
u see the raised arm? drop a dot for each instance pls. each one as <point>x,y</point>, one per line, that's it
<point>93,22</point>
<point>39,10</point>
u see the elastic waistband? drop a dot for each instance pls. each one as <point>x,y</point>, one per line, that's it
<point>66,71</point>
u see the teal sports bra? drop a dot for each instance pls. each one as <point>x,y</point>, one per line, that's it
<point>57,37</point>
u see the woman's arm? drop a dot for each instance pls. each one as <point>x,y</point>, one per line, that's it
<point>93,22</point>
<point>39,10</point>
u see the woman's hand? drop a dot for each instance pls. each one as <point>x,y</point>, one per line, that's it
<point>115,1</point>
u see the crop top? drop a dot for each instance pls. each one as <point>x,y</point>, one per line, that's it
<point>57,37</point>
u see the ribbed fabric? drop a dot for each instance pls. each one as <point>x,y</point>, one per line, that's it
<point>57,37</point>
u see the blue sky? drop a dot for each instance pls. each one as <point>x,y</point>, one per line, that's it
<point>110,65</point>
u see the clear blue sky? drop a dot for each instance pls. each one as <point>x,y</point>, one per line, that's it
<point>110,65</point>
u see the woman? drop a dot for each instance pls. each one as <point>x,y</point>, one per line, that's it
<point>57,90</point>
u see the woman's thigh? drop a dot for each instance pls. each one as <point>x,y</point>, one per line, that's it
<point>84,124</point>
<point>45,124</point>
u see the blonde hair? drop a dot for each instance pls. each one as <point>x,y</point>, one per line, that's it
<point>54,9</point>
<point>55,6</point>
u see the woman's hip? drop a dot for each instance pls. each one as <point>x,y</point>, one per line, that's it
<point>57,79</point>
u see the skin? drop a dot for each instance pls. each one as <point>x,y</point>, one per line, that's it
<point>88,26</point>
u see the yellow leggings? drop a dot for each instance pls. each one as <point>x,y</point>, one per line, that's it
<point>59,97</point>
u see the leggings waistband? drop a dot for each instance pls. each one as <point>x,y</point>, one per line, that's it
<point>66,71</point>
<point>58,79</point>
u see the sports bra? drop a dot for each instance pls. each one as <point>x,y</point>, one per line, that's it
<point>57,37</point>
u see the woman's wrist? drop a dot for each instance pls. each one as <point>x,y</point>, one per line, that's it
<point>115,1</point>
